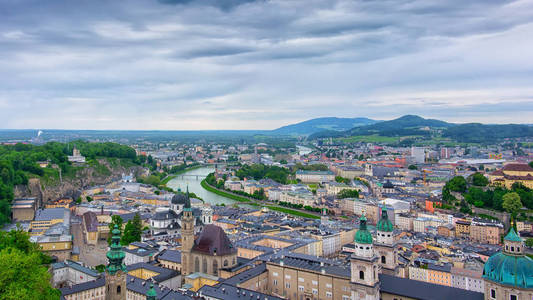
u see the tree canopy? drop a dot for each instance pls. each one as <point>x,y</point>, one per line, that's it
<point>347,193</point>
<point>260,171</point>
<point>511,203</point>
<point>479,180</point>
<point>132,231</point>
<point>24,273</point>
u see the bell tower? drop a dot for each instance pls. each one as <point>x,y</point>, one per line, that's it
<point>115,279</point>
<point>385,246</point>
<point>364,265</point>
<point>187,237</point>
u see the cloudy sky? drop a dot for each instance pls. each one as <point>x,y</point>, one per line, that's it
<point>245,64</point>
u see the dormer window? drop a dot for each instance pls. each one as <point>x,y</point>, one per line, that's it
<point>512,249</point>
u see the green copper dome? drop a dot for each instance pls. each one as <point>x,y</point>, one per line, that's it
<point>508,267</point>
<point>512,236</point>
<point>115,255</point>
<point>513,270</point>
<point>384,224</point>
<point>151,294</point>
<point>363,236</point>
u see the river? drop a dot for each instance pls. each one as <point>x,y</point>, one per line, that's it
<point>194,186</point>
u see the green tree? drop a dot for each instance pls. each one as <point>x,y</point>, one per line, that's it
<point>531,164</point>
<point>479,180</point>
<point>529,242</point>
<point>341,179</point>
<point>115,220</point>
<point>132,231</point>
<point>348,194</point>
<point>457,184</point>
<point>412,167</point>
<point>23,270</point>
<point>511,203</point>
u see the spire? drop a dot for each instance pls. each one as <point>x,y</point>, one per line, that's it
<point>115,255</point>
<point>512,236</point>
<point>151,294</point>
<point>188,200</point>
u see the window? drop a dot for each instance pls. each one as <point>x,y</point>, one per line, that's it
<point>315,282</point>
<point>118,289</point>
<point>492,293</point>
<point>215,267</point>
<point>287,285</point>
<point>300,279</point>
<point>287,276</point>
<point>513,297</point>
<point>204,265</point>
<point>225,263</point>
<point>275,273</point>
<point>275,282</point>
<point>301,288</point>
<point>344,297</point>
<point>315,292</point>
<point>328,285</point>
<point>383,259</point>
<point>197,265</point>
<point>328,294</point>
<point>361,275</point>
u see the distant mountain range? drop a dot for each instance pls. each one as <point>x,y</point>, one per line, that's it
<point>322,124</point>
<point>411,125</point>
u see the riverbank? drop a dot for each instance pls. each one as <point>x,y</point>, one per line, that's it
<point>255,202</point>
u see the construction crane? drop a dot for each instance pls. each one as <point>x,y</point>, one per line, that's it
<point>425,176</point>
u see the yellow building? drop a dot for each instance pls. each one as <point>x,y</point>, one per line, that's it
<point>511,173</point>
<point>439,275</point>
<point>143,273</point>
<point>462,228</point>
<point>170,259</point>
<point>44,218</point>
<point>197,280</point>
<point>60,203</point>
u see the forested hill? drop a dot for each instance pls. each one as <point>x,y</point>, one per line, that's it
<point>480,133</point>
<point>321,124</point>
<point>18,163</point>
<point>411,125</point>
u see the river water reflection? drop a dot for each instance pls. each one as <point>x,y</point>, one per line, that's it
<point>192,179</point>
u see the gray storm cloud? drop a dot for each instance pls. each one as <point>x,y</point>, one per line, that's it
<point>236,64</point>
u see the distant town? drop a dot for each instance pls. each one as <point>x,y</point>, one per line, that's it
<point>321,215</point>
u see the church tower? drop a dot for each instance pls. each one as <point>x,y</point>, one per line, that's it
<point>187,237</point>
<point>385,245</point>
<point>115,279</point>
<point>364,265</point>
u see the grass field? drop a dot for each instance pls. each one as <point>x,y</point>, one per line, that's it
<point>292,212</point>
<point>369,138</point>
<point>206,186</point>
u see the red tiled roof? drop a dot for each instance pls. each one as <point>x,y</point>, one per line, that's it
<point>497,173</point>
<point>518,167</point>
